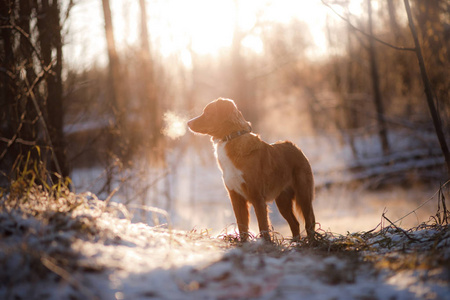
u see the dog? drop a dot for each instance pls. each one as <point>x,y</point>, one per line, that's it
<point>255,172</point>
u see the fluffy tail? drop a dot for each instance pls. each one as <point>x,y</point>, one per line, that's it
<point>304,195</point>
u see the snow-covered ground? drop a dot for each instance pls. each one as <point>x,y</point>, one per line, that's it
<point>77,248</point>
<point>91,249</point>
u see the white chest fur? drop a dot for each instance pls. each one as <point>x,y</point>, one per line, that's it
<point>232,176</point>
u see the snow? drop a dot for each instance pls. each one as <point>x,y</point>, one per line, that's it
<point>90,250</point>
<point>52,256</point>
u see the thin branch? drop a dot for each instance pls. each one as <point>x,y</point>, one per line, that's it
<point>366,34</point>
<point>8,73</point>
<point>66,15</point>
<point>15,136</point>
<point>30,93</point>
<point>268,70</point>
<point>399,229</point>
<point>26,35</point>
<point>421,205</point>
<point>17,140</point>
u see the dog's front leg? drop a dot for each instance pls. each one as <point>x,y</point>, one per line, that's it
<point>242,214</point>
<point>260,206</point>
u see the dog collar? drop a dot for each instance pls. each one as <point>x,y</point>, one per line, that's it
<point>233,135</point>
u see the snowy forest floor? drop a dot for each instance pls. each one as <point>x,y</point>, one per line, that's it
<point>55,244</point>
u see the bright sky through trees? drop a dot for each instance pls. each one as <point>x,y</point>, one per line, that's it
<point>205,26</point>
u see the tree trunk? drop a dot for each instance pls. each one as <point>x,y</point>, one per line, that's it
<point>49,40</point>
<point>115,96</point>
<point>393,19</point>
<point>241,90</point>
<point>29,131</point>
<point>149,93</point>
<point>428,91</point>
<point>402,60</point>
<point>350,116</point>
<point>114,66</point>
<point>8,120</point>
<point>55,100</point>
<point>382,129</point>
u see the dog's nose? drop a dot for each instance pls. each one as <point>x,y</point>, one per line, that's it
<point>191,122</point>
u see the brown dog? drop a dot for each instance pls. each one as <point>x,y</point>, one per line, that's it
<point>255,172</point>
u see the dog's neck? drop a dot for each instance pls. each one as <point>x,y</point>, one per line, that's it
<point>231,136</point>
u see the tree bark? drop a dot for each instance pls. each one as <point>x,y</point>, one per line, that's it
<point>428,91</point>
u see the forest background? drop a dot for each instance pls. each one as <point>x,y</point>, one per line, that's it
<point>100,91</point>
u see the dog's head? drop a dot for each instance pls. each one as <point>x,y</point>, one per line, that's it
<point>220,118</point>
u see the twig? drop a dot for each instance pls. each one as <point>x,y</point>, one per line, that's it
<point>29,93</point>
<point>366,34</point>
<point>110,196</point>
<point>14,138</point>
<point>27,37</point>
<point>53,267</point>
<point>399,229</point>
<point>17,140</point>
<point>155,210</point>
<point>420,206</point>
<point>44,125</point>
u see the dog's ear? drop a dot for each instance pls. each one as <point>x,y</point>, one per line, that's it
<point>225,107</point>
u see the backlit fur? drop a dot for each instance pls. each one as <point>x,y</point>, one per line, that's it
<point>255,172</point>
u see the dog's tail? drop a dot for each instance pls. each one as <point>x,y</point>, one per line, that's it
<point>304,196</point>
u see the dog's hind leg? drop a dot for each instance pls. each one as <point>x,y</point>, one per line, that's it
<point>285,206</point>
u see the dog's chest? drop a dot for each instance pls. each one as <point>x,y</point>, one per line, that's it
<point>232,176</point>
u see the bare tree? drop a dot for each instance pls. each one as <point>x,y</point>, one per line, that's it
<point>31,86</point>
<point>241,89</point>
<point>428,90</point>
<point>149,92</point>
<point>382,129</point>
<point>116,88</point>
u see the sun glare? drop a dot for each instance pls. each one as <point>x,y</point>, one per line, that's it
<point>207,26</point>
<point>202,26</point>
<point>180,27</point>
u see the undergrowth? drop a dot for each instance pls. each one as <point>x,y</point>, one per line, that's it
<point>425,246</point>
<point>40,223</point>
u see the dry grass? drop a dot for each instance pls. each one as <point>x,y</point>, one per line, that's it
<point>426,246</point>
<point>39,224</point>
